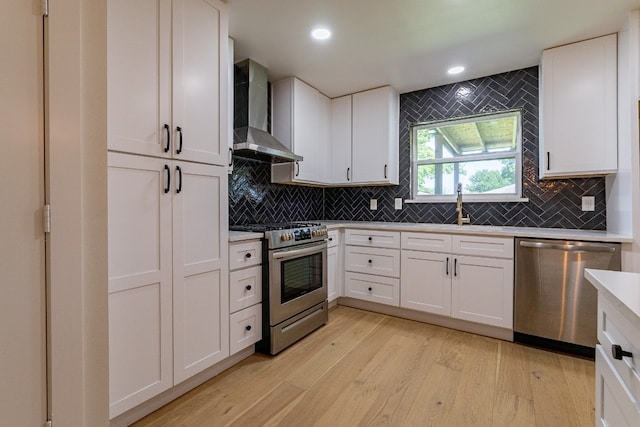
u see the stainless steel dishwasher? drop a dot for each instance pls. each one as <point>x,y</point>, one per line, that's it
<point>555,307</point>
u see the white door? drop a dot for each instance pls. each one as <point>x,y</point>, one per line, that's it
<point>482,290</point>
<point>200,268</point>
<point>140,339</point>
<point>199,65</point>
<point>426,282</point>
<point>23,393</point>
<point>139,86</point>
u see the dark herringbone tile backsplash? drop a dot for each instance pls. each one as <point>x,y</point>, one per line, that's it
<point>552,203</point>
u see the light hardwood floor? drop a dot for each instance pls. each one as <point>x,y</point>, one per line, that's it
<point>364,369</point>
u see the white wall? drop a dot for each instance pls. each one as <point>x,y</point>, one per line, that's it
<point>623,189</point>
<point>77,192</point>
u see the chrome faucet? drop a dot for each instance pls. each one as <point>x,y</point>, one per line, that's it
<point>461,219</point>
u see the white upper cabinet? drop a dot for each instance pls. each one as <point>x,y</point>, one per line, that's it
<point>164,92</point>
<point>299,112</point>
<point>578,94</point>
<point>340,164</point>
<point>375,139</point>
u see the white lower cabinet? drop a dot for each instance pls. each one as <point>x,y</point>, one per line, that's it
<point>426,284</point>
<point>372,273</point>
<point>617,380</point>
<point>334,265</point>
<point>445,277</point>
<point>245,294</point>
<point>168,312</point>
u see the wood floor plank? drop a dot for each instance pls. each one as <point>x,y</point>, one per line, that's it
<point>366,368</point>
<point>513,370</point>
<point>269,406</point>
<point>510,410</point>
<point>552,400</point>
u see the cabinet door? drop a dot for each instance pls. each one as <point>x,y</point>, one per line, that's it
<point>425,282</point>
<point>140,339</point>
<point>323,142</point>
<point>340,145</point>
<point>200,268</point>
<point>139,89</point>
<point>579,109</point>
<point>482,290</point>
<point>615,406</point>
<point>333,273</point>
<point>305,130</point>
<point>200,50</point>
<point>375,136</point>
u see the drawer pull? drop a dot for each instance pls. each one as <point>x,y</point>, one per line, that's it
<point>247,255</point>
<point>618,353</point>
<point>370,288</point>
<point>370,238</point>
<point>370,261</point>
<point>248,327</point>
<point>248,287</point>
<point>331,239</point>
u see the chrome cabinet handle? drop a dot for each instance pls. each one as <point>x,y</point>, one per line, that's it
<point>179,150</point>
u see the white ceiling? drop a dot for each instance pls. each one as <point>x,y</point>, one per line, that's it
<point>411,43</point>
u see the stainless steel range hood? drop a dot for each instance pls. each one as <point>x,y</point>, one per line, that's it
<point>250,136</point>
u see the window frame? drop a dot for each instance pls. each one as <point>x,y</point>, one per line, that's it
<point>439,198</point>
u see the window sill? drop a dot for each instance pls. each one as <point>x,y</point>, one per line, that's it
<point>469,199</point>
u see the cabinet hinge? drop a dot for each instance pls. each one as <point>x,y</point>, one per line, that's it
<point>46,218</point>
<point>44,5</point>
<point>49,423</point>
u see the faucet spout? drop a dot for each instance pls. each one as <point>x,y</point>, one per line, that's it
<point>461,219</point>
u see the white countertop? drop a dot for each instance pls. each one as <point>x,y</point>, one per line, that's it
<point>486,230</point>
<point>239,236</point>
<point>621,287</point>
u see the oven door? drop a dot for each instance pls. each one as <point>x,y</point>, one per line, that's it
<point>297,280</point>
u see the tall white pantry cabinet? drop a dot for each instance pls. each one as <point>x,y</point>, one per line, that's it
<point>167,179</point>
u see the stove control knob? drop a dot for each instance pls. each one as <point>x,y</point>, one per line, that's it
<point>314,233</point>
<point>283,237</point>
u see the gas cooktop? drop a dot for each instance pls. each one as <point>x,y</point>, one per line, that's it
<point>261,228</point>
<point>280,235</point>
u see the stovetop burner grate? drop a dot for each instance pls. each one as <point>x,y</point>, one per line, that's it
<point>273,226</point>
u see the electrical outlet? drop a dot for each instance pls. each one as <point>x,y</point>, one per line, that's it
<point>398,203</point>
<point>588,203</point>
<point>373,204</point>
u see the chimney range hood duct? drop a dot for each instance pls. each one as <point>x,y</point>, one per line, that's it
<point>250,137</point>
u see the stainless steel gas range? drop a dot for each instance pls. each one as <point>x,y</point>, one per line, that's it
<point>294,281</point>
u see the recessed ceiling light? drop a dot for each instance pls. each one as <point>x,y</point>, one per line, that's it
<point>321,33</point>
<point>455,70</point>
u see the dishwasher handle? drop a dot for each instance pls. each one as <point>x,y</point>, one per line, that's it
<point>583,247</point>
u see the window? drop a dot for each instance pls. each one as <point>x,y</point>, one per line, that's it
<point>481,152</point>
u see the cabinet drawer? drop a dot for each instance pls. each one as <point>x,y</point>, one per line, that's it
<point>245,254</point>
<point>615,329</point>
<point>383,262</point>
<point>373,238</point>
<point>495,247</point>
<point>615,406</point>
<point>245,328</point>
<point>383,290</point>
<point>332,238</point>
<point>245,288</point>
<point>430,242</point>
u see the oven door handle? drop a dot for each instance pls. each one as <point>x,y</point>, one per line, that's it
<point>299,252</point>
